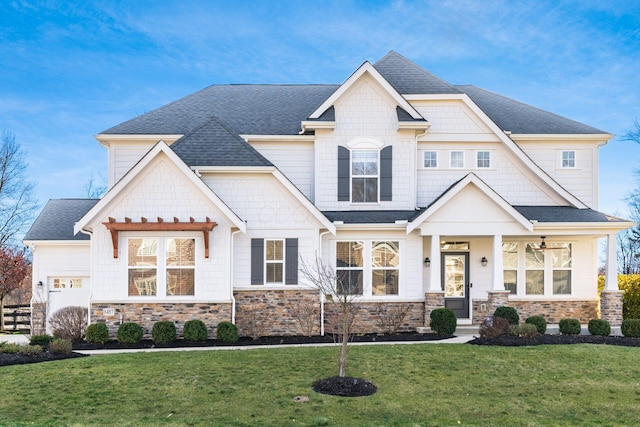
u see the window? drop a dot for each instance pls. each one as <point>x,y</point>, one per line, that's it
<point>274,261</point>
<point>534,269</point>
<point>172,274</point>
<point>364,176</point>
<point>561,255</point>
<point>385,268</point>
<point>483,159</point>
<point>457,159</point>
<point>349,267</point>
<point>430,159</point>
<point>67,283</point>
<point>510,266</point>
<point>568,159</point>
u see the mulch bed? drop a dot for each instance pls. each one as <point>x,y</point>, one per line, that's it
<point>7,359</point>
<point>514,341</point>
<point>344,386</point>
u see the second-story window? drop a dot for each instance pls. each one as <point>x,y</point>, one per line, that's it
<point>483,159</point>
<point>568,159</point>
<point>457,159</point>
<point>430,159</point>
<point>364,176</point>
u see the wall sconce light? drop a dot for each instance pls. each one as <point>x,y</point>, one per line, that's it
<point>484,261</point>
<point>543,244</point>
<point>40,283</point>
<point>427,262</point>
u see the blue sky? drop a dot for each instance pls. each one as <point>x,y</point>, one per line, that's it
<point>71,69</point>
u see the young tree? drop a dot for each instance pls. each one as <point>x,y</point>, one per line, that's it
<point>17,204</point>
<point>336,289</point>
<point>14,267</point>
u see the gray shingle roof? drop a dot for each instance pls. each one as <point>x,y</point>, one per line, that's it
<point>564,214</point>
<point>371,217</point>
<point>57,219</point>
<point>197,148</point>
<point>520,118</point>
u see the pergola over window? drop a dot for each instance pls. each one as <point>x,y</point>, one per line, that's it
<point>144,225</point>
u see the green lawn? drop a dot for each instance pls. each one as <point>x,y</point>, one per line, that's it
<point>419,385</point>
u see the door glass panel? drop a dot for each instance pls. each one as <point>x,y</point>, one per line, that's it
<point>454,275</point>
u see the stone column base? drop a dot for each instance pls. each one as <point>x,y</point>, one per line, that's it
<point>497,299</point>
<point>432,300</point>
<point>39,318</point>
<point>611,307</point>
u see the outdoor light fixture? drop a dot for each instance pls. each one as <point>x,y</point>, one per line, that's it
<point>427,261</point>
<point>40,283</point>
<point>543,245</point>
<point>484,261</point>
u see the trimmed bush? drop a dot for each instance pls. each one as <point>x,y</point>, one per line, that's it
<point>443,321</point>
<point>538,322</point>
<point>599,327</point>
<point>570,327</point>
<point>494,327</point>
<point>527,330</point>
<point>194,330</point>
<point>129,333</point>
<point>227,332</point>
<point>508,313</point>
<point>69,323</point>
<point>630,328</point>
<point>163,332</point>
<point>97,333</point>
<point>60,346</point>
<point>41,340</point>
<point>630,284</point>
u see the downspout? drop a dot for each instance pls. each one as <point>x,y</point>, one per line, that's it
<point>415,174</point>
<point>90,234</point>
<point>231,265</point>
<point>321,293</point>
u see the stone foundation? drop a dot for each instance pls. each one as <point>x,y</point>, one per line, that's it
<point>38,318</point>
<point>432,300</point>
<point>611,307</point>
<point>381,317</point>
<point>146,314</point>
<point>554,311</point>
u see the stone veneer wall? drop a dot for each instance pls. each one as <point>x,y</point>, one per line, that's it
<point>554,311</point>
<point>38,318</point>
<point>146,314</point>
<point>375,317</point>
<point>611,306</point>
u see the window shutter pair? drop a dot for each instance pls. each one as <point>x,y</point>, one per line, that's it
<point>344,174</point>
<point>290,262</point>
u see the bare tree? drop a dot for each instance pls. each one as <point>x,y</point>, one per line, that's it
<point>336,289</point>
<point>95,188</point>
<point>629,240</point>
<point>633,134</point>
<point>14,267</point>
<point>17,205</point>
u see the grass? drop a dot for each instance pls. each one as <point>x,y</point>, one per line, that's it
<point>419,385</point>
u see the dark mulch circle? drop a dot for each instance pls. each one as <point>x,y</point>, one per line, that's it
<point>7,359</point>
<point>514,341</point>
<point>345,386</point>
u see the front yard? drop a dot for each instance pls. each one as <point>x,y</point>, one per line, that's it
<point>418,384</point>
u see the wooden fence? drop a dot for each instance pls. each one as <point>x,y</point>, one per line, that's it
<point>17,318</point>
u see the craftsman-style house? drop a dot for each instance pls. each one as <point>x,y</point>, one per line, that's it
<point>418,193</point>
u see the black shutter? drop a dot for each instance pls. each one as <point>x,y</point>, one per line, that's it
<point>291,262</point>
<point>344,175</point>
<point>257,261</point>
<point>386,172</point>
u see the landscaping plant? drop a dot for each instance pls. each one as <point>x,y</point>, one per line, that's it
<point>163,332</point>
<point>194,330</point>
<point>599,327</point>
<point>493,327</point>
<point>60,346</point>
<point>227,332</point>
<point>526,330</point>
<point>539,322</point>
<point>630,328</point>
<point>570,327</point>
<point>129,333</point>
<point>97,333</point>
<point>69,323</point>
<point>508,313</point>
<point>42,340</point>
<point>443,321</point>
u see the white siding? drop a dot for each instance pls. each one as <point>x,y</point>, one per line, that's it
<point>123,156</point>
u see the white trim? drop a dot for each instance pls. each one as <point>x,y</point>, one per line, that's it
<point>279,138</point>
<point>365,68</point>
<point>600,137</point>
<point>105,139</point>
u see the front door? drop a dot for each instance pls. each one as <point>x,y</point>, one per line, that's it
<point>455,282</point>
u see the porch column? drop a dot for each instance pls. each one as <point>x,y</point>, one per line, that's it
<point>497,274</point>
<point>435,268</point>
<point>611,297</point>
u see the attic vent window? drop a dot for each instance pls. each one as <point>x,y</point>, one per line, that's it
<point>144,225</point>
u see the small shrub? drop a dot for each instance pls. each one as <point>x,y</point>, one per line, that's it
<point>527,330</point>
<point>391,318</point>
<point>163,332</point>
<point>508,313</point>
<point>494,327</point>
<point>254,323</point>
<point>227,332</point>
<point>307,315</point>
<point>630,327</point>
<point>538,322</point>
<point>97,333</point>
<point>194,330</point>
<point>599,327</point>
<point>30,350</point>
<point>9,348</point>
<point>60,346</point>
<point>570,327</point>
<point>443,321</point>
<point>41,340</point>
<point>69,323</point>
<point>129,333</point>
